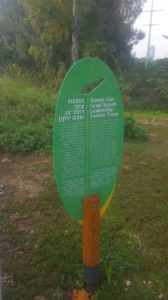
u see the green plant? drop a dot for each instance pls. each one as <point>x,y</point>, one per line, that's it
<point>109,273</point>
<point>24,138</point>
<point>133,131</point>
<point>26,116</point>
<point>149,89</point>
<point>60,75</point>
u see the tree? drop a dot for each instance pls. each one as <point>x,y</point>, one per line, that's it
<point>107,28</point>
<point>52,24</point>
<point>15,33</point>
<point>75,33</point>
<point>41,31</point>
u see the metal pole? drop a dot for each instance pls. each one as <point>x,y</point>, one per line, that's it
<point>75,35</point>
<point>149,36</point>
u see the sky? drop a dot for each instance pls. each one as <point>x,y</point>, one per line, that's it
<point>161,18</point>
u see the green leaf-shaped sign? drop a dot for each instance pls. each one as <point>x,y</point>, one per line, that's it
<point>88,135</point>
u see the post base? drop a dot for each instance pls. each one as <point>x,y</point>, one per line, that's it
<point>91,277</point>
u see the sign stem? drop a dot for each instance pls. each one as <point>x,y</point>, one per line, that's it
<point>91,241</point>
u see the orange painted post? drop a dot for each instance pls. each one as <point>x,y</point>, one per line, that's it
<point>91,241</point>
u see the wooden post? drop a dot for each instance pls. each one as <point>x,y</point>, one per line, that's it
<point>91,241</point>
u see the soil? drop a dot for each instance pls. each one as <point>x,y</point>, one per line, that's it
<point>23,176</point>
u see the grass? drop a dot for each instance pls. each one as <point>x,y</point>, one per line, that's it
<point>46,259</point>
<point>41,254</point>
<point>26,116</point>
<point>148,115</point>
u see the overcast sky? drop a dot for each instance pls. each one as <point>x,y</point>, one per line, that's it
<point>161,18</point>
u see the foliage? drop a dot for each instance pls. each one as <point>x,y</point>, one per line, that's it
<point>26,117</point>
<point>149,88</point>
<point>52,26</point>
<point>133,131</point>
<point>25,138</point>
<point>15,34</point>
<point>38,34</point>
<point>60,75</point>
<point>107,29</point>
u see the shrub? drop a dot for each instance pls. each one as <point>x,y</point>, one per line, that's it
<point>133,131</point>
<point>149,89</point>
<point>26,117</point>
<point>24,138</point>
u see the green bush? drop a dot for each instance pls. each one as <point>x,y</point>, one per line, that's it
<point>26,117</point>
<point>24,138</point>
<point>148,88</point>
<point>133,131</point>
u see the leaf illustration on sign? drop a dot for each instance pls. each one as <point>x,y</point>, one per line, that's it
<point>92,86</point>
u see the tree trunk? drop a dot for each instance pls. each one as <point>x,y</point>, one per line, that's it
<point>0,285</point>
<point>75,35</point>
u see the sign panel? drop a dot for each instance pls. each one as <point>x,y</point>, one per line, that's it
<point>88,135</point>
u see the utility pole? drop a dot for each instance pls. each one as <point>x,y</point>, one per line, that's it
<point>149,35</point>
<point>75,35</point>
<point>150,31</point>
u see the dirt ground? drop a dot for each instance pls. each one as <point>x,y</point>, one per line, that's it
<point>23,176</point>
<point>154,123</point>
